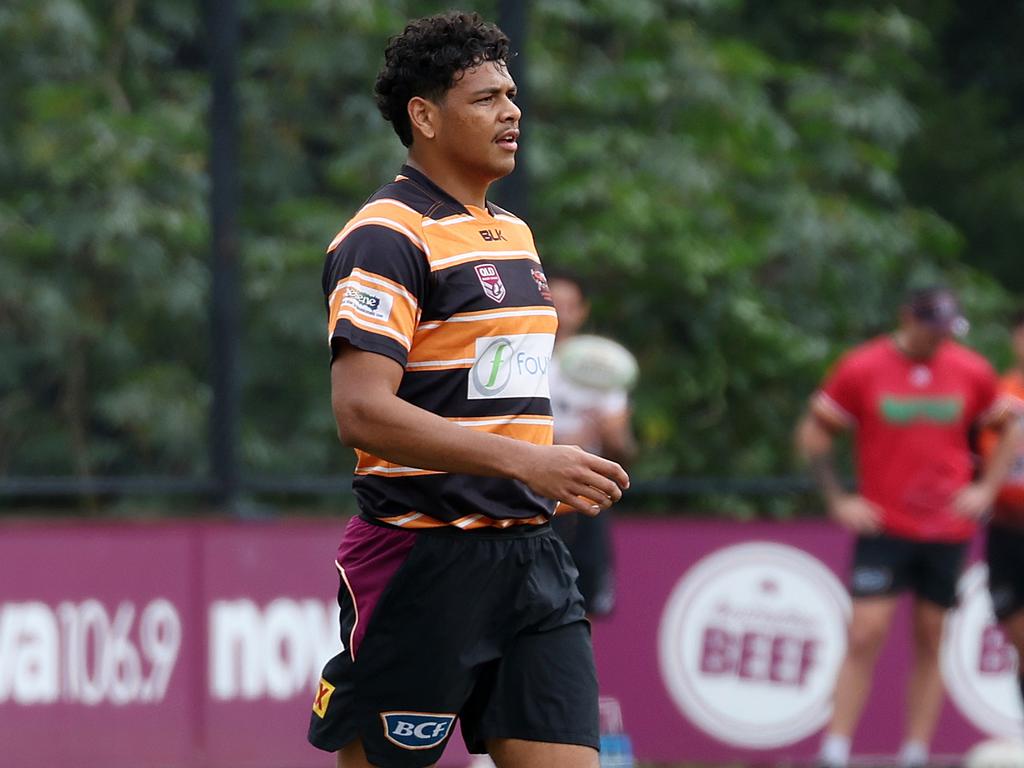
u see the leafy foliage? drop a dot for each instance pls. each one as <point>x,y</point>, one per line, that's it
<point>748,187</point>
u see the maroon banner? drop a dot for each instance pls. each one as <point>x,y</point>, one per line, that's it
<point>199,645</point>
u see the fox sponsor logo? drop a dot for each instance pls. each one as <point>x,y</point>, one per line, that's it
<point>490,280</point>
<point>416,730</point>
<point>979,665</point>
<point>492,235</point>
<point>323,698</point>
<point>368,301</point>
<point>511,366</point>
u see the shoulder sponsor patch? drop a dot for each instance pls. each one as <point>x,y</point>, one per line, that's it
<point>323,698</point>
<point>416,730</point>
<point>368,301</point>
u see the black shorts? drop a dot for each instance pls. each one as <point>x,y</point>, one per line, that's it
<point>1004,551</point>
<point>886,565</point>
<point>439,625</point>
<point>589,540</point>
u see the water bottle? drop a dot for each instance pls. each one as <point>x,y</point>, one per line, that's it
<point>616,746</point>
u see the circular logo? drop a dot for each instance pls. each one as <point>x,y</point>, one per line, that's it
<point>492,370</point>
<point>750,642</point>
<point>979,664</point>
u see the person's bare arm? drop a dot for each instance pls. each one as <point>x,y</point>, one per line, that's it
<point>615,432</point>
<point>370,416</point>
<point>974,500</point>
<point>815,445</point>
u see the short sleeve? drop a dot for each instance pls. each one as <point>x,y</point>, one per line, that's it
<point>987,404</point>
<point>839,400</point>
<point>375,282</point>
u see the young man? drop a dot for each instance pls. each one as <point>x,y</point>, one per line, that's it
<point>598,421</point>
<point>1004,548</point>
<point>912,398</point>
<point>457,600</point>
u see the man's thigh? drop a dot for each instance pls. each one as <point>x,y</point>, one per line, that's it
<point>544,690</point>
<point>1004,553</point>
<point>519,753</point>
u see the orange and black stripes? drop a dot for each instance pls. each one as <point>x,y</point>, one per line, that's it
<point>458,297</point>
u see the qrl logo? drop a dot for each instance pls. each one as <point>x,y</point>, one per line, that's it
<point>416,730</point>
<point>490,281</point>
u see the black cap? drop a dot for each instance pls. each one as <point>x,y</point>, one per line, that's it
<point>939,308</point>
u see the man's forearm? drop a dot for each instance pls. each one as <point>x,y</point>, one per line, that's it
<point>998,466</point>
<point>823,471</point>
<point>400,432</point>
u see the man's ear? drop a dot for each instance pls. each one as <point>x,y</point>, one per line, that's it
<point>424,116</point>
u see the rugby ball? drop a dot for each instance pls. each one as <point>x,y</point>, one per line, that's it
<point>596,362</point>
<point>995,753</point>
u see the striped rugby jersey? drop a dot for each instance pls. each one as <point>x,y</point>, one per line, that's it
<point>457,296</point>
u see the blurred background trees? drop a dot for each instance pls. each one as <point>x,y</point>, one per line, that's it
<point>747,186</point>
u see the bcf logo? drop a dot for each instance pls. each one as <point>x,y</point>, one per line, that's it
<point>978,663</point>
<point>416,730</point>
<point>750,642</point>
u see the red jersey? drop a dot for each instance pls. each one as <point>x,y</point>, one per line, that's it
<point>1010,502</point>
<point>912,419</point>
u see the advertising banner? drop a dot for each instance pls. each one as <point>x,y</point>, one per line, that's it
<point>199,644</point>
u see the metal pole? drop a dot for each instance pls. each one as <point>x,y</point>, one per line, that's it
<point>222,33</point>
<point>513,192</point>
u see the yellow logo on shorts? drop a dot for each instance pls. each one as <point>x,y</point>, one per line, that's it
<point>323,698</point>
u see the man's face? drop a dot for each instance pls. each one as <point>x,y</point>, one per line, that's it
<point>570,305</point>
<point>922,338</point>
<point>479,128</point>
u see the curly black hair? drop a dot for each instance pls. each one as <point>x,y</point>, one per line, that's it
<point>425,59</point>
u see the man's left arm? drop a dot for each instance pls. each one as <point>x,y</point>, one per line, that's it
<point>616,435</point>
<point>976,499</point>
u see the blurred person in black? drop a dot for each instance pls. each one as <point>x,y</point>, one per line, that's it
<point>598,421</point>
<point>1004,544</point>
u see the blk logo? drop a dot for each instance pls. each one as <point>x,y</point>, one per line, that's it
<point>416,730</point>
<point>492,235</point>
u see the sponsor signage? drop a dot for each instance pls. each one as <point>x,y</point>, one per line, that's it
<point>750,641</point>
<point>511,366</point>
<point>190,644</point>
<point>979,665</point>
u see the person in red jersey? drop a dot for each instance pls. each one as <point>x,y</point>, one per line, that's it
<point>1004,544</point>
<point>911,399</point>
<point>457,600</point>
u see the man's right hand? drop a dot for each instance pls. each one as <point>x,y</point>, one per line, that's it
<point>854,512</point>
<point>570,475</point>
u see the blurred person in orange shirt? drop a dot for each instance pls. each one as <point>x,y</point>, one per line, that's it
<point>1004,546</point>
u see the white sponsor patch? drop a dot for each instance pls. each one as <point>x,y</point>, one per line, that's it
<point>511,366</point>
<point>368,301</point>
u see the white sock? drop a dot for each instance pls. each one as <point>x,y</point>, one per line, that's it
<point>913,754</point>
<point>835,751</point>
